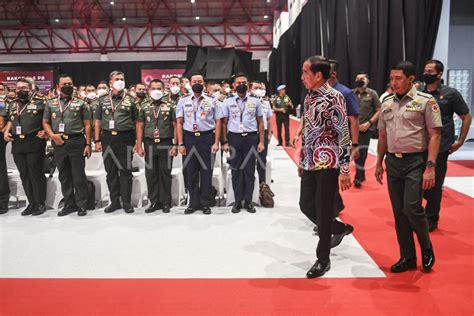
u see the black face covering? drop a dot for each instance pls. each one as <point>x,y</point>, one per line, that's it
<point>23,95</point>
<point>241,89</point>
<point>67,90</point>
<point>197,88</point>
<point>360,83</point>
<point>429,79</point>
<point>141,95</point>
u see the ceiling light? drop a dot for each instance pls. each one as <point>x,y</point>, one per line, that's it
<point>124,19</point>
<point>56,20</point>
<point>265,16</point>
<point>268,1</point>
<point>197,18</point>
<point>112,3</point>
<point>193,1</point>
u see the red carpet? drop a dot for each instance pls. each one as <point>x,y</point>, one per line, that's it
<point>448,289</point>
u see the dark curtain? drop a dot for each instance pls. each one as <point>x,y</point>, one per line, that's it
<point>363,35</point>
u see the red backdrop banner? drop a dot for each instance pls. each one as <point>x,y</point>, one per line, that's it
<point>162,74</point>
<point>44,79</point>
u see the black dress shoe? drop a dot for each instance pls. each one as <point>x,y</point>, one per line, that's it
<point>166,209</point>
<point>82,212</point>
<point>236,207</point>
<point>3,210</point>
<point>39,209</point>
<point>128,209</point>
<point>337,238</point>
<point>250,208</point>
<point>189,210</point>
<point>28,210</point>
<point>112,208</point>
<point>66,211</point>
<point>403,265</point>
<point>153,207</point>
<point>357,183</point>
<point>206,210</point>
<point>427,259</point>
<point>318,269</point>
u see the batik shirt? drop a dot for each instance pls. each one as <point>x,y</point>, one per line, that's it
<point>325,135</point>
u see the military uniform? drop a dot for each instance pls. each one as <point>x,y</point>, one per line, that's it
<point>158,118</point>
<point>283,102</point>
<point>118,114</point>
<point>242,126</point>
<point>199,116</point>
<point>262,163</point>
<point>406,122</point>
<point>369,104</point>
<point>29,150</point>
<point>67,117</point>
<point>450,101</point>
<point>4,188</point>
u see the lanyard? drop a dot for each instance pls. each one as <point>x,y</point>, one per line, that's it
<point>20,112</point>
<point>196,107</point>
<point>114,108</point>
<point>61,110</point>
<point>242,110</point>
<point>156,114</point>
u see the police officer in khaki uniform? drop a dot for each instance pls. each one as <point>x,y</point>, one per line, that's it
<point>4,188</point>
<point>156,128</point>
<point>409,137</point>
<point>115,117</point>
<point>24,127</point>
<point>282,106</point>
<point>67,121</point>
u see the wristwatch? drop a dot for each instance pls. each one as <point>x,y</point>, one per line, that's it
<point>430,164</point>
<point>354,145</point>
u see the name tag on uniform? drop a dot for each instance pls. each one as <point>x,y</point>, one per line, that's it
<point>241,128</point>
<point>18,130</point>
<point>195,127</point>
<point>62,127</point>
<point>111,124</point>
<point>31,107</point>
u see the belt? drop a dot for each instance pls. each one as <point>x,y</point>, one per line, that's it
<point>115,133</point>
<point>245,134</point>
<point>23,136</point>
<point>69,136</point>
<point>158,140</point>
<point>198,134</point>
<point>406,155</point>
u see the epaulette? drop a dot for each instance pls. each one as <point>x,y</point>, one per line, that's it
<point>39,97</point>
<point>131,96</point>
<point>388,97</point>
<point>229,96</point>
<point>422,94</point>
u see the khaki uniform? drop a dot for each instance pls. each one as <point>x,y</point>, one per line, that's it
<point>283,102</point>
<point>118,114</point>
<point>67,118</point>
<point>158,118</point>
<point>406,122</point>
<point>28,150</point>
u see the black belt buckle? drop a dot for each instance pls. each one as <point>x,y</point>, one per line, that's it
<point>399,155</point>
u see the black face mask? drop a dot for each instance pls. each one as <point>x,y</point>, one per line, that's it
<point>23,94</point>
<point>141,95</point>
<point>360,83</point>
<point>67,90</point>
<point>197,88</point>
<point>241,89</point>
<point>429,79</point>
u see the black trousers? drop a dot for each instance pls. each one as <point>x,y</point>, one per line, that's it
<point>262,161</point>
<point>29,155</point>
<point>433,196</point>
<point>117,154</point>
<point>199,163</point>
<point>4,187</point>
<point>404,177</point>
<point>242,164</point>
<point>70,161</point>
<point>317,203</point>
<point>285,120</point>
<point>364,141</point>
<point>158,170</point>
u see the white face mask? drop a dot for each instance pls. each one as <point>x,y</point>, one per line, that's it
<point>227,90</point>
<point>188,87</point>
<point>119,85</point>
<point>156,94</point>
<point>101,92</point>
<point>175,89</point>
<point>91,95</point>
<point>216,94</point>
<point>263,93</point>
<point>83,94</point>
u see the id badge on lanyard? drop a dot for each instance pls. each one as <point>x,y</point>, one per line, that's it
<point>18,130</point>
<point>111,124</point>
